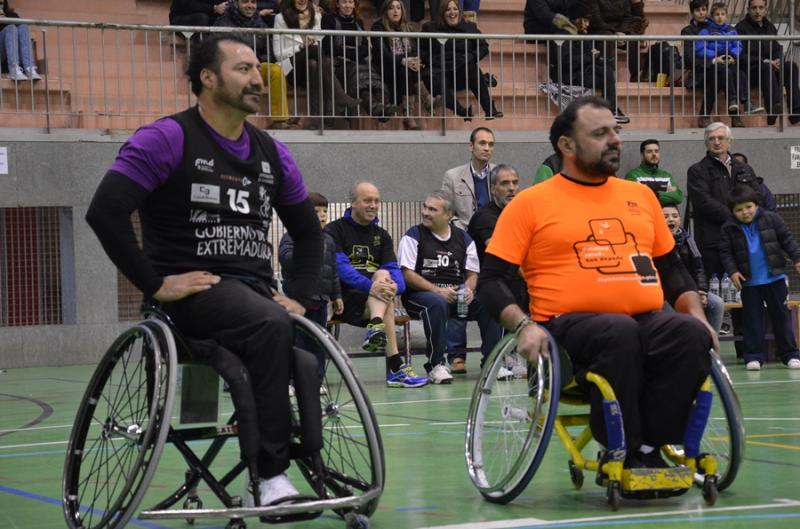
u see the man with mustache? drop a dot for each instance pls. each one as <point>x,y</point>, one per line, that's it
<point>204,182</point>
<point>599,261</point>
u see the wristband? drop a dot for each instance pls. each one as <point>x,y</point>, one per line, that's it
<point>524,322</point>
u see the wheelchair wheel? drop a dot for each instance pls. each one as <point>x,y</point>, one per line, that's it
<point>120,429</point>
<point>352,453</point>
<point>724,433</point>
<point>510,422</point>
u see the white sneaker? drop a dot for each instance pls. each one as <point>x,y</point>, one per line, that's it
<point>793,363</point>
<point>272,489</point>
<point>323,390</point>
<point>17,74</point>
<point>440,375</point>
<point>755,365</point>
<point>32,74</point>
<point>504,373</point>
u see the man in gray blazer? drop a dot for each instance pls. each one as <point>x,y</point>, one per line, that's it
<point>470,187</point>
<point>469,183</point>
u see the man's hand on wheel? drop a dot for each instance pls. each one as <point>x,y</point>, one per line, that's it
<point>179,286</point>
<point>533,342</point>
<point>288,303</point>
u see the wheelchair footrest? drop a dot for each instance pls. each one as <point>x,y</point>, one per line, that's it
<point>635,480</point>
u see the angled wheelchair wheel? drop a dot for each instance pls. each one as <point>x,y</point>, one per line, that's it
<point>510,422</point>
<point>724,433</point>
<point>352,453</point>
<point>120,429</point>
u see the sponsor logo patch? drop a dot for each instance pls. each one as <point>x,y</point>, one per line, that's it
<point>205,193</point>
<point>204,165</point>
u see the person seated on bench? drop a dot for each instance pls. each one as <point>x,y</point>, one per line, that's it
<point>599,260</point>
<point>371,280</point>
<point>198,13</point>
<point>205,182</point>
<point>15,47</point>
<point>440,264</point>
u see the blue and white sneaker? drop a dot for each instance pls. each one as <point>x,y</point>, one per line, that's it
<point>375,339</point>
<point>405,378</point>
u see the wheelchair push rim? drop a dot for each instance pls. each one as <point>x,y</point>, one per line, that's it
<point>120,429</point>
<point>510,422</point>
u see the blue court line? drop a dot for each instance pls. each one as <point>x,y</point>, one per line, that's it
<point>682,519</point>
<point>53,501</point>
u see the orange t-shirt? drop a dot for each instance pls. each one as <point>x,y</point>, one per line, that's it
<point>585,248</point>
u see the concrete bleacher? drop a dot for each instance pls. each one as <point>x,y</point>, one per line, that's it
<point>118,80</point>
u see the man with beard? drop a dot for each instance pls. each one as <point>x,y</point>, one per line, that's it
<point>204,182</point>
<point>651,175</point>
<point>599,261</point>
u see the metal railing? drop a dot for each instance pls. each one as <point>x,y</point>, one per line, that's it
<point>117,76</point>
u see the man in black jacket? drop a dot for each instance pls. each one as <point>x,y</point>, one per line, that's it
<point>546,17</point>
<point>764,63</point>
<point>199,13</point>
<point>709,183</point>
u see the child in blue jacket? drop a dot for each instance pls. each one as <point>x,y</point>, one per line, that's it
<point>752,247</point>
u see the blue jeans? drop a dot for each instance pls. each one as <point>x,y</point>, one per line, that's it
<point>715,310</point>
<point>755,344</point>
<point>15,44</point>
<point>434,311</point>
<point>456,338</point>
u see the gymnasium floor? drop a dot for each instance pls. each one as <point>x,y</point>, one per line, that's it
<point>427,485</point>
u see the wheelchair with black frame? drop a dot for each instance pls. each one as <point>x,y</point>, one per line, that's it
<point>124,422</point>
<point>510,423</point>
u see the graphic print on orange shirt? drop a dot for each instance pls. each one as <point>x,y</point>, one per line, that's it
<point>610,249</point>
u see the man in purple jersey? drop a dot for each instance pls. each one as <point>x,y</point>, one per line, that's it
<point>204,182</point>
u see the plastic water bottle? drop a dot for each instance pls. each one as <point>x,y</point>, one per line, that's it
<point>462,307</point>
<point>734,294</point>
<point>713,284</point>
<point>725,288</point>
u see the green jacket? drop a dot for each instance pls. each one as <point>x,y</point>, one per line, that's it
<point>658,180</point>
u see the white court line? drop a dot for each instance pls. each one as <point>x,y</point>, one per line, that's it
<point>423,401</point>
<point>523,522</point>
<point>765,382</point>
<point>31,445</point>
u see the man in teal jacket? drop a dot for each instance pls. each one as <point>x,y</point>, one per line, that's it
<point>649,174</point>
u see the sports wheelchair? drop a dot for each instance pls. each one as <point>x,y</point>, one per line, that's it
<point>510,424</point>
<point>123,424</point>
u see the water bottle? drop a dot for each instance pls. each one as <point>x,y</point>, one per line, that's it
<point>462,307</point>
<point>713,284</point>
<point>725,288</point>
<point>734,294</point>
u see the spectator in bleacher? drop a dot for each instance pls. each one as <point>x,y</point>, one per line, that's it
<point>754,247</point>
<point>550,166</point>
<point>328,287</point>
<point>545,17</point>
<point>244,14</point>
<point>371,279</point>
<point>764,63</point>
<point>398,61</point>
<point>198,13</point>
<point>304,63</point>
<point>351,59</point>
<point>15,47</point>
<point>741,157</point>
<point>416,9</point>
<point>723,56</point>
<point>713,306</point>
<point>650,174</point>
<point>582,63</point>
<point>619,17</point>
<point>440,264</point>
<point>267,9</point>
<point>698,70</point>
<point>455,64</point>
<point>709,183</point>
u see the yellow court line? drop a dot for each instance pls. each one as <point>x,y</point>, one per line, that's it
<point>774,445</point>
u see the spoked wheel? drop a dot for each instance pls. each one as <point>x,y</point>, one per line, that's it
<point>510,422</point>
<point>724,433</point>
<point>120,428</point>
<point>352,453</point>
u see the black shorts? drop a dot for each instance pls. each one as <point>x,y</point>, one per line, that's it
<point>355,302</point>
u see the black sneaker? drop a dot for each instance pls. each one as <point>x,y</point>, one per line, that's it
<point>638,459</point>
<point>621,118</point>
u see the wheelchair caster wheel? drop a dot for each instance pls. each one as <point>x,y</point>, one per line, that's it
<point>356,521</point>
<point>192,503</point>
<point>710,491</point>
<point>236,524</point>
<point>576,475</point>
<point>613,495</point>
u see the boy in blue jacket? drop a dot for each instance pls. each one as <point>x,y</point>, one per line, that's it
<point>723,55</point>
<point>752,247</point>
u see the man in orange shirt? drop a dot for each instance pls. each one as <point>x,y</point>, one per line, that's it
<point>598,260</point>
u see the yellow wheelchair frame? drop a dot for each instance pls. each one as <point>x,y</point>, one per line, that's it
<point>510,424</point>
